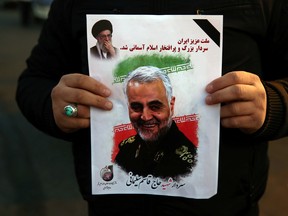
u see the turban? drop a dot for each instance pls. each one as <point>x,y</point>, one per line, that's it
<point>100,26</point>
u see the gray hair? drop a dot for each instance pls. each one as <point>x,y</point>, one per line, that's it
<point>148,74</point>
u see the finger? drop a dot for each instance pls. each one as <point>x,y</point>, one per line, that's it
<point>232,78</point>
<point>71,90</point>
<point>87,83</point>
<point>232,93</point>
<point>243,122</point>
<point>237,109</point>
<point>246,123</point>
<point>106,44</point>
<point>82,111</point>
<point>69,125</point>
<point>243,115</point>
<point>86,98</point>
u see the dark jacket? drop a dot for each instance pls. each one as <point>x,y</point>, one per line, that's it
<point>255,40</point>
<point>95,52</point>
<point>172,156</point>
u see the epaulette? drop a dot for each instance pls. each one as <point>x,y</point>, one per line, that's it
<point>128,140</point>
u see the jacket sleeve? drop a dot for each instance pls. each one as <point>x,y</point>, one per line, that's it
<point>50,59</point>
<point>275,66</point>
<point>276,122</point>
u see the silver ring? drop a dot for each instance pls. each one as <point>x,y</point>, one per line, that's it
<point>71,110</point>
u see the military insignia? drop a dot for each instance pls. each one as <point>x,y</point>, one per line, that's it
<point>129,140</point>
<point>137,151</point>
<point>181,150</point>
<point>158,156</point>
<point>184,154</point>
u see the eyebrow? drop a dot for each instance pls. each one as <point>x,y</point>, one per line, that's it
<point>155,102</point>
<point>151,103</point>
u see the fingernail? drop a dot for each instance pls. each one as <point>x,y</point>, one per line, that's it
<point>106,92</point>
<point>208,99</point>
<point>209,88</point>
<point>108,105</point>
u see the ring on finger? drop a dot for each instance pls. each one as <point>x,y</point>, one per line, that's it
<point>71,110</point>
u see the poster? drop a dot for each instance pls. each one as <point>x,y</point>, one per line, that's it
<point>136,149</point>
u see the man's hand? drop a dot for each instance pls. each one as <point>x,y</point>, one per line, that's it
<point>243,99</point>
<point>82,90</point>
<point>108,45</point>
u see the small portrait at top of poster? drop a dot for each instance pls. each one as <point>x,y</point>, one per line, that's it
<point>160,138</point>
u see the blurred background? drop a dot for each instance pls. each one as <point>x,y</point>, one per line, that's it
<point>36,171</point>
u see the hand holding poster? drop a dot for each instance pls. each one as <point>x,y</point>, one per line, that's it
<point>160,137</point>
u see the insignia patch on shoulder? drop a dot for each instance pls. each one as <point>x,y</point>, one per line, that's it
<point>181,150</point>
<point>129,140</point>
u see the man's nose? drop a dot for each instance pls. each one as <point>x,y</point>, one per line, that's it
<point>146,114</point>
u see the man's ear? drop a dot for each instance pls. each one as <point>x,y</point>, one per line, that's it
<point>172,103</point>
